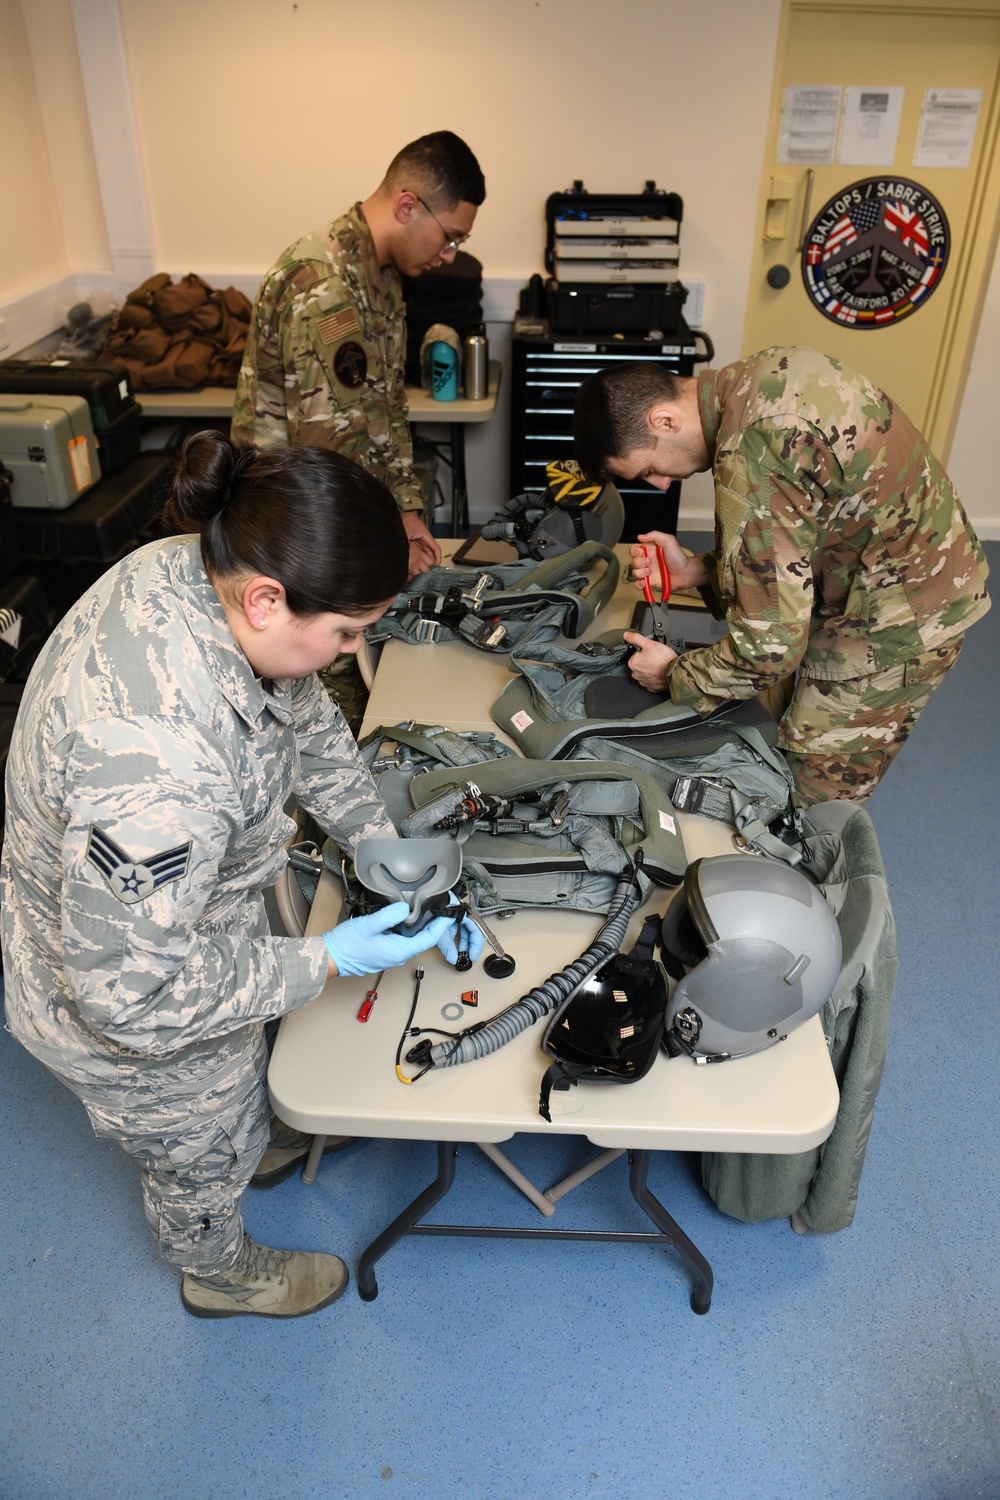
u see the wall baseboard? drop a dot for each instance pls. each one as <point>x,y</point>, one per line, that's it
<point>35,315</point>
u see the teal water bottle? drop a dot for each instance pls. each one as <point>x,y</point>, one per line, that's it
<point>444,372</point>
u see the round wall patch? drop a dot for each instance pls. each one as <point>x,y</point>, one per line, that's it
<point>875,252</point>
<point>350,365</point>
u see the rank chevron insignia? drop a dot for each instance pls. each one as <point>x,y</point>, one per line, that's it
<point>130,880</point>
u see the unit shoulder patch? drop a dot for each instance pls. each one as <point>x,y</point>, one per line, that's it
<point>350,365</point>
<point>131,880</point>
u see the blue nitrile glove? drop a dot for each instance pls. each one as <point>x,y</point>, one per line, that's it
<point>472,938</point>
<point>364,945</point>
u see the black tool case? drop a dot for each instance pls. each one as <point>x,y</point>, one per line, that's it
<point>26,621</point>
<point>632,241</point>
<point>114,414</point>
<point>10,699</point>
<point>116,511</point>
<point>70,549</point>
<point>10,547</point>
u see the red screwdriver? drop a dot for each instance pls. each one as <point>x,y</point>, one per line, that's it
<point>370,997</point>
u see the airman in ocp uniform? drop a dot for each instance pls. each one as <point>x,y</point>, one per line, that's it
<point>844,564</point>
<point>327,342</point>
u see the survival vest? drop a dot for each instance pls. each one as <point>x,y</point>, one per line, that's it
<point>568,704</point>
<point>534,833</point>
<point>396,753</point>
<point>498,607</point>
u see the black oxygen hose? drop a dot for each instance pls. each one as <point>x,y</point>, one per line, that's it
<point>544,999</point>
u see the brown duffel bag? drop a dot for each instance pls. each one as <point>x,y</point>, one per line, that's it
<point>178,335</point>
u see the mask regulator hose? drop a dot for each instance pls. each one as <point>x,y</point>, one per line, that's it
<point>544,999</point>
<point>504,526</point>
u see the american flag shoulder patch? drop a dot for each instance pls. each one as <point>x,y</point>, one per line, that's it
<point>338,325</point>
<point>131,880</point>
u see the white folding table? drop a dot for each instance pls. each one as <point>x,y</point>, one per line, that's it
<point>330,1075</point>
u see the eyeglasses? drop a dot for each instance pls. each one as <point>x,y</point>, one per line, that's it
<point>449,243</point>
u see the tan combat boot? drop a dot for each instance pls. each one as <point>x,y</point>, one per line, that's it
<point>270,1283</point>
<point>287,1150</point>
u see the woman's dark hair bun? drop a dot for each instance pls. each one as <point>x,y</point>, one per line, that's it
<point>327,530</point>
<point>203,475</point>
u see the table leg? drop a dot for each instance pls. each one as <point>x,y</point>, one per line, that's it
<point>567,1184</point>
<point>701,1294</point>
<point>447,1155</point>
<point>459,490</point>
<point>312,1160</point>
<point>541,1201</point>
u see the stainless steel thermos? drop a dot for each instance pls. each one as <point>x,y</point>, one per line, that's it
<point>476,358</point>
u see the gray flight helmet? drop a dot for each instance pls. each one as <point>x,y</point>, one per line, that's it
<point>411,870</point>
<point>762,951</point>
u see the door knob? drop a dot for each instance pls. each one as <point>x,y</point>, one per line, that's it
<point>778,276</point>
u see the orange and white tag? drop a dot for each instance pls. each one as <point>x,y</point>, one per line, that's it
<point>79,457</point>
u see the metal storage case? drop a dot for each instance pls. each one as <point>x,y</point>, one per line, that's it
<point>47,443</point>
<point>614,261</point>
<point>105,387</point>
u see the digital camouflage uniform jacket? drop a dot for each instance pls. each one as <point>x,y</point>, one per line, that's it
<point>146,788</point>
<point>841,546</point>
<point>324,356</point>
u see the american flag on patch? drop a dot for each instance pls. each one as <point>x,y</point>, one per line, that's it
<point>338,325</point>
<point>908,225</point>
<point>858,220</point>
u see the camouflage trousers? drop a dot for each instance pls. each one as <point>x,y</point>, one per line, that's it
<point>197,1130</point>
<point>840,737</point>
<point>346,686</point>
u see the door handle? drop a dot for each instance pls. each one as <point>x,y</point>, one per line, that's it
<point>778,207</point>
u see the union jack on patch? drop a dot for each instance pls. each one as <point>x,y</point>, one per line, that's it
<point>129,879</point>
<point>908,225</point>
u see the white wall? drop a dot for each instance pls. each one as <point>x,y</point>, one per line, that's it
<point>255,120</point>
<point>32,245</point>
<point>973,464</point>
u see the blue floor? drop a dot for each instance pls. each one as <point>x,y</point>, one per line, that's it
<point>861,1365</point>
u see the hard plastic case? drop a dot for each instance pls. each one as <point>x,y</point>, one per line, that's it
<point>105,387</point>
<point>117,511</point>
<point>613,261</point>
<point>26,621</point>
<point>69,550</point>
<point>47,443</point>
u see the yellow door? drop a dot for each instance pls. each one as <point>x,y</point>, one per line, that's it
<point>902,291</point>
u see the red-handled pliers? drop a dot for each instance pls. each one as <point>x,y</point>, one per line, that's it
<point>658,612</point>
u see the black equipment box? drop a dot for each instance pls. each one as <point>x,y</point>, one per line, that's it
<point>70,549</point>
<point>10,700</point>
<point>613,261</point>
<point>26,621</point>
<point>583,309</point>
<point>10,547</point>
<point>118,510</point>
<point>114,415</point>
